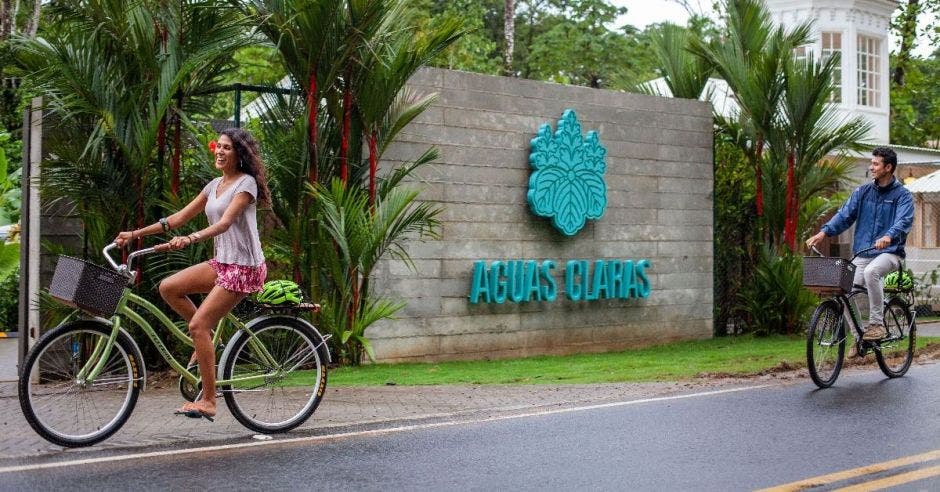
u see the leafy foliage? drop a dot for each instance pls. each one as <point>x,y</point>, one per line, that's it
<point>361,236</point>
<point>9,301</point>
<point>915,106</point>
<point>775,300</point>
<point>112,73</point>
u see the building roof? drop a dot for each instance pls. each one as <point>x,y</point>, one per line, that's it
<point>926,184</point>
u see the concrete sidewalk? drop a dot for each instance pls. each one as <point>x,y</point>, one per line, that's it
<point>153,422</point>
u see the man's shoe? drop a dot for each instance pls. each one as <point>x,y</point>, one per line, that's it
<point>874,333</point>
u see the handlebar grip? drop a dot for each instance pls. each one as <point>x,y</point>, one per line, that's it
<point>162,248</point>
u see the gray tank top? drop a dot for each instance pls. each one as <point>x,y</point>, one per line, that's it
<point>239,245</point>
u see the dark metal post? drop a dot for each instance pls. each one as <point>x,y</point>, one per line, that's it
<point>238,105</point>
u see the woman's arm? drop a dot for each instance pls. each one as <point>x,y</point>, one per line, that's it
<point>197,205</point>
<point>239,203</point>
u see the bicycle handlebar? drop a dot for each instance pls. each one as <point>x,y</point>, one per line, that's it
<point>819,253</point>
<point>125,269</point>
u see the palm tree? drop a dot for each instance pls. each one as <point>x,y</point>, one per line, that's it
<point>685,75</point>
<point>751,59</point>
<point>810,129</point>
<point>308,35</point>
<point>362,235</point>
<point>509,34</point>
<point>384,104</point>
<point>111,72</point>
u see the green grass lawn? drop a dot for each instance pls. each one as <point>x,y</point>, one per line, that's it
<point>743,355</point>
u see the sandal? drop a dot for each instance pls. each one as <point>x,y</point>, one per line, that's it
<point>190,410</point>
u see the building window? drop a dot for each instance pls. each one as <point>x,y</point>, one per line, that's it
<point>869,71</point>
<point>799,53</point>
<point>832,45</point>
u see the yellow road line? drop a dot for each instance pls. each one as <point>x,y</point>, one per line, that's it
<point>857,472</point>
<point>895,480</point>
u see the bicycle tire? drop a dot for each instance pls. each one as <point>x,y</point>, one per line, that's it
<point>896,352</point>
<point>282,402</point>
<point>55,403</point>
<point>826,330</point>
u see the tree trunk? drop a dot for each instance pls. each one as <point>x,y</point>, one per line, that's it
<point>354,303</point>
<point>161,152</point>
<point>347,120</point>
<point>908,34</point>
<point>33,24</point>
<point>789,223</point>
<point>312,106</point>
<point>373,164</point>
<point>759,177</point>
<point>509,28</point>
<point>177,152</point>
<point>6,19</point>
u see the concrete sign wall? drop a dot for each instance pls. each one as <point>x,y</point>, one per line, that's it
<point>638,275</point>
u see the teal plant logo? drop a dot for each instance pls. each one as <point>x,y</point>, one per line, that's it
<point>567,185</point>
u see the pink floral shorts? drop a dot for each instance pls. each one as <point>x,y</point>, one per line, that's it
<point>239,278</point>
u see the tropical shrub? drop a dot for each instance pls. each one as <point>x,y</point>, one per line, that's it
<point>362,235</point>
<point>9,301</point>
<point>775,300</point>
<point>734,230</point>
<point>121,78</point>
<point>350,61</point>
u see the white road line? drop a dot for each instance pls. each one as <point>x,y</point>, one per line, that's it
<point>374,432</point>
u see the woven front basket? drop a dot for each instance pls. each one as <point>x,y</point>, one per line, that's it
<point>87,286</point>
<point>828,273</point>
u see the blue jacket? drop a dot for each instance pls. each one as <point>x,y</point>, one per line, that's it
<point>876,212</point>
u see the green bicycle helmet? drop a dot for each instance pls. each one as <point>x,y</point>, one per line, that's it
<point>280,292</point>
<point>891,281</point>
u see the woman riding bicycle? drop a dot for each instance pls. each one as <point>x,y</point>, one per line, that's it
<point>237,268</point>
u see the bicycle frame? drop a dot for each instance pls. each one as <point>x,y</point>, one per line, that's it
<point>845,301</point>
<point>102,350</point>
<point>846,304</point>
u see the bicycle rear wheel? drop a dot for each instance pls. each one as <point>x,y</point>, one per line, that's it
<point>286,353</point>
<point>66,409</point>
<point>825,344</point>
<point>896,351</point>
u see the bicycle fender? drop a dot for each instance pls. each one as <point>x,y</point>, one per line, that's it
<point>322,349</point>
<point>109,325</point>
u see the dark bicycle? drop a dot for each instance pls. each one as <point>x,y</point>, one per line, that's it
<point>833,279</point>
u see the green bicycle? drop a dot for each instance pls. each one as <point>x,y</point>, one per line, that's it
<point>80,382</point>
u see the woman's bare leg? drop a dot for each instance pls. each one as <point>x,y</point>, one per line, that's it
<point>197,279</point>
<point>217,304</point>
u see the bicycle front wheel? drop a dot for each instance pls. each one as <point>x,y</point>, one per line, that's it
<point>277,377</point>
<point>896,351</point>
<point>825,344</point>
<point>58,400</point>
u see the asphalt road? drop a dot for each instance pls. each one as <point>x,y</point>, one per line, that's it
<point>727,440</point>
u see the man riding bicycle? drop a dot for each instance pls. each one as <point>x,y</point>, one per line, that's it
<point>882,211</point>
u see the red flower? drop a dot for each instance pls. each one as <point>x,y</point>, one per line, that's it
<point>212,146</point>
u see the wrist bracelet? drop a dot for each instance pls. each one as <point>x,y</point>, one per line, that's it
<point>165,224</point>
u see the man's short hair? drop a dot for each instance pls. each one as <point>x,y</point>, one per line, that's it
<point>887,155</point>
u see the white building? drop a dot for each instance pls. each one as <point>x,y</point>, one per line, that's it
<point>858,31</point>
